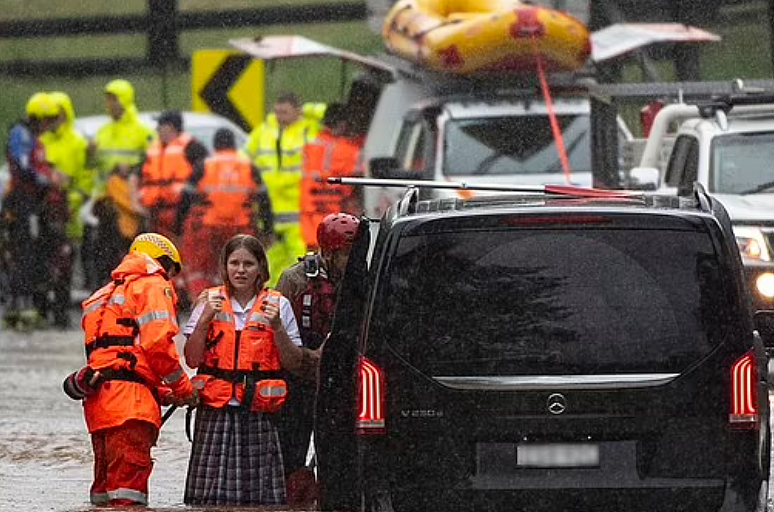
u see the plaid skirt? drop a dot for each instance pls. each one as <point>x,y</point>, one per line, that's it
<point>235,460</point>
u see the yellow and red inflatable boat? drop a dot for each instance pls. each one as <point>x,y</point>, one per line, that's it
<point>472,36</point>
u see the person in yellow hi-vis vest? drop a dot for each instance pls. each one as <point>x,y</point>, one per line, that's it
<point>276,147</point>
<point>121,145</point>
<point>67,151</point>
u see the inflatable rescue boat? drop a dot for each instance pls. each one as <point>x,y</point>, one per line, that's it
<point>472,36</point>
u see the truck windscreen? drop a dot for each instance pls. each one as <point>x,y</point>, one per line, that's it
<point>515,145</point>
<point>741,163</point>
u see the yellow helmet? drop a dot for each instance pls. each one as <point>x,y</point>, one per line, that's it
<point>41,105</point>
<point>156,246</point>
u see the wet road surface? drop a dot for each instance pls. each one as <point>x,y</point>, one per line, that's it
<point>45,452</point>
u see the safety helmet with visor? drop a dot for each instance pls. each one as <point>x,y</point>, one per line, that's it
<point>157,247</point>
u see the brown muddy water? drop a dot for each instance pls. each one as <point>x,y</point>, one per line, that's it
<point>45,453</point>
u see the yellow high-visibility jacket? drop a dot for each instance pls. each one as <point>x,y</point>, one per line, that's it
<point>278,154</point>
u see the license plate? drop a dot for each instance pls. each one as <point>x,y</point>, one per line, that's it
<point>557,455</point>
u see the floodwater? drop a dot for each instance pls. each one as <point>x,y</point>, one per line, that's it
<point>45,452</point>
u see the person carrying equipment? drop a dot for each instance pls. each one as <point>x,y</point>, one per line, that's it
<point>129,325</point>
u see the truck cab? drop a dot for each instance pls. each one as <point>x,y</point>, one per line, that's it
<point>479,131</point>
<point>728,147</point>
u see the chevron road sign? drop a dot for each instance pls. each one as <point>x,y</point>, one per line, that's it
<point>229,83</point>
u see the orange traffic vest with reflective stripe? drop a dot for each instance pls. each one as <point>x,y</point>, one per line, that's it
<point>226,189</point>
<point>165,173</point>
<point>242,363</point>
<point>325,157</point>
<point>129,326</point>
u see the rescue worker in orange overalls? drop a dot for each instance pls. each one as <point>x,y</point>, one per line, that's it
<point>169,164</point>
<point>228,198</point>
<point>129,325</point>
<point>335,152</point>
<point>311,285</point>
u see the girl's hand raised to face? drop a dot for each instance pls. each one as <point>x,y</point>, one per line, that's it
<point>271,311</point>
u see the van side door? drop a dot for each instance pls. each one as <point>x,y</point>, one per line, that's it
<point>335,412</point>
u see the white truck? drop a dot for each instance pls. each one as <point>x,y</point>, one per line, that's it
<point>482,129</point>
<point>726,144</point>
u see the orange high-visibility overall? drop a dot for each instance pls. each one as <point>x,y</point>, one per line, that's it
<point>129,325</point>
<point>327,156</point>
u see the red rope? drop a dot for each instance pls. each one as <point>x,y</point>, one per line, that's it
<point>551,113</point>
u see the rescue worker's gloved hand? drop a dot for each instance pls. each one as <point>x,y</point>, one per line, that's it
<point>169,398</point>
<point>192,400</point>
<point>165,396</point>
<point>82,383</point>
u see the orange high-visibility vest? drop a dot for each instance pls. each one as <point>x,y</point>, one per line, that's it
<point>242,363</point>
<point>129,326</point>
<point>226,189</point>
<point>165,173</point>
<point>325,157</point>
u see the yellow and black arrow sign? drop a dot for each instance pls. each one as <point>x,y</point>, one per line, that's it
<point>229,83</point>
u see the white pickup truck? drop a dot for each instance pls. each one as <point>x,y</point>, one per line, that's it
<point>727,145</point>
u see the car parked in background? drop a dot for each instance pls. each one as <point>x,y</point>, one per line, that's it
<point>548,352</point>
<point>200,125</point>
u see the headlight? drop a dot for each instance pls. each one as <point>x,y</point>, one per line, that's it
<point>752,243</point>
<point>765,285</point>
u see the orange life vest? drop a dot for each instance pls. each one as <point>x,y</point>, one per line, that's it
<point>242,364</point>
<point>327,156</point>
<point>129,326</point>
<point>165,173</point>
<point>226,189</point>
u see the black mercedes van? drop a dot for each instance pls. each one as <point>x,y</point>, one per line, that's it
<point>545,353</point>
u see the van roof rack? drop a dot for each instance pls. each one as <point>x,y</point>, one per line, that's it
<point>561,190</point>
<point>408,203</point>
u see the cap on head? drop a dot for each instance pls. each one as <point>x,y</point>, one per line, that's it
<point>41,106</point>
<point>224,139</point>
<point>173,118</point>
<point>156,246</point>
<point>337,231</point>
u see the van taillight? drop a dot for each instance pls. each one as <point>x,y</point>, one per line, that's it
<point>370,418</point>
<point>744,394</point>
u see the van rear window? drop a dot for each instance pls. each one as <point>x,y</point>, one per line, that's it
<point>546,301</point>
<point>515,145</point>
